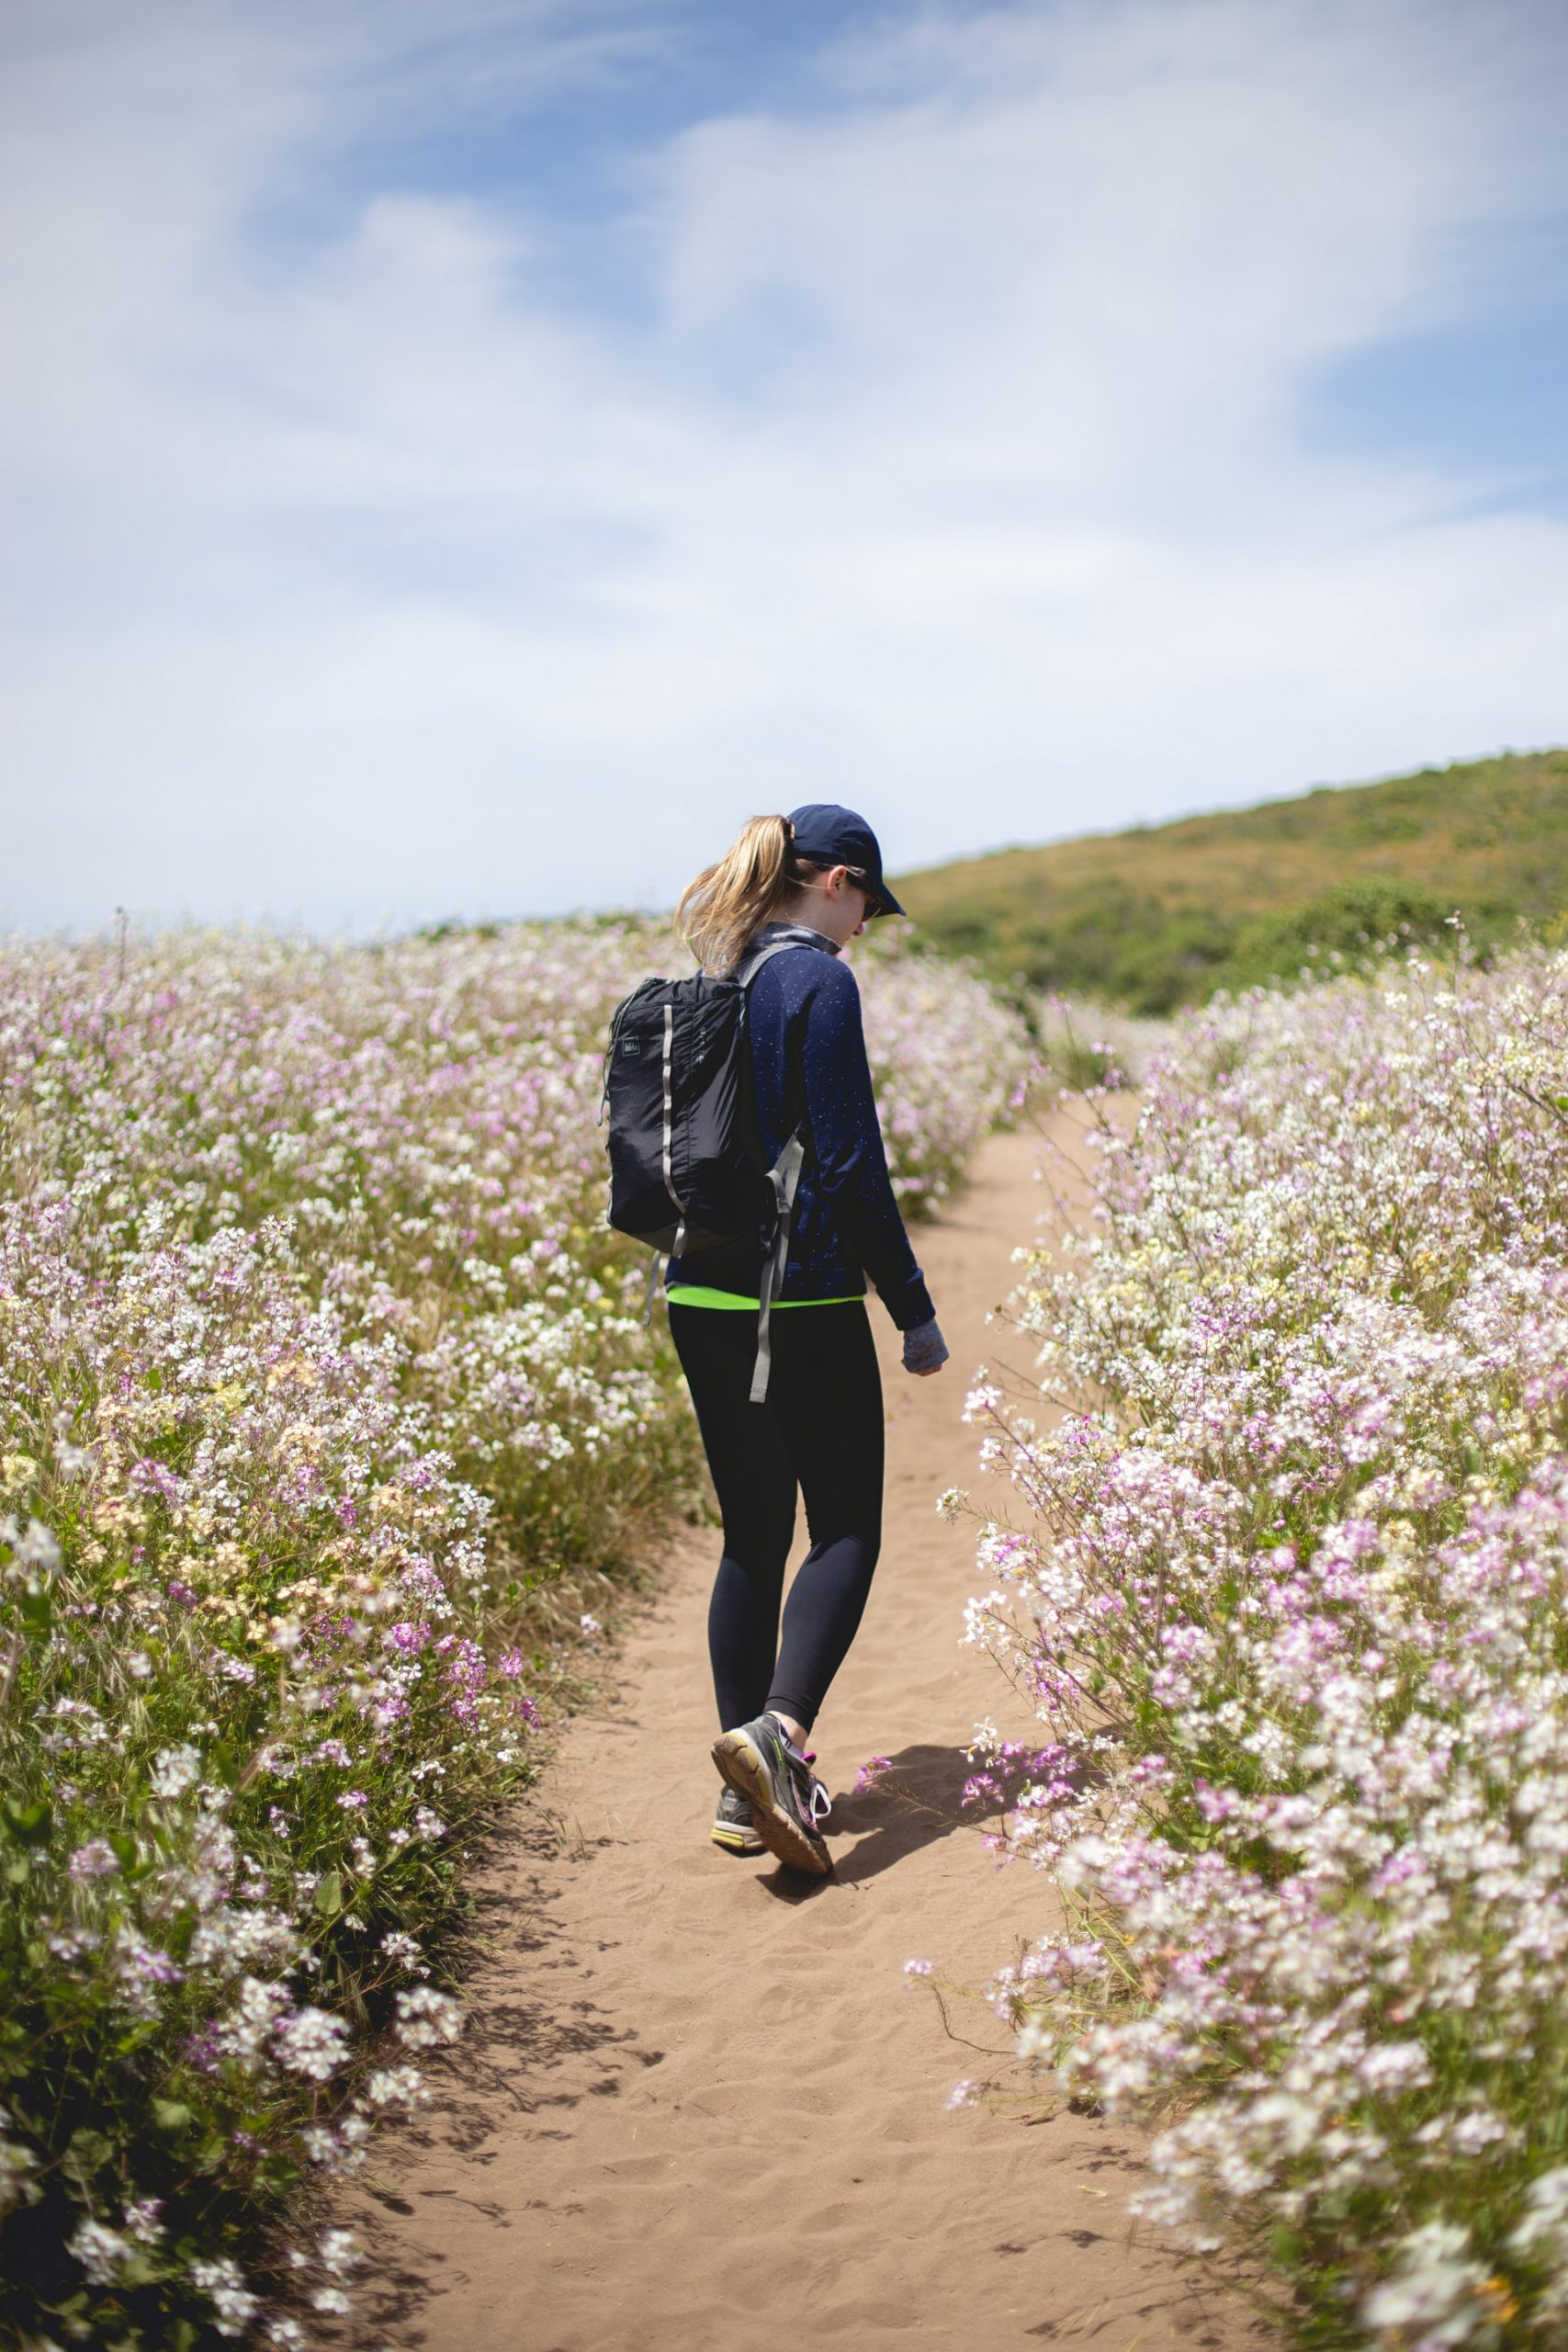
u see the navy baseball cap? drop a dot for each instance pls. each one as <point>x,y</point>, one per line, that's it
<point>825,835</point>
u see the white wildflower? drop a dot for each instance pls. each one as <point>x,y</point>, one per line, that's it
<point>223,2283</point>
<point>312,2043</point>
<point>37,1549</point>
<point>175,1769</point>
<point>340,2252</point>
<point>17,2165</point>
<point>142,2218</point>
<point>249,2025</point>
<point>426,2018</point>
<point>100,2251</point>
<point>396,2086</point>
<point>1432,2295</point>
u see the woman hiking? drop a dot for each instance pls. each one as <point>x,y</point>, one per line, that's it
<point>810,882</point>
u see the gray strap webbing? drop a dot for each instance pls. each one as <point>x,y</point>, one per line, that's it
<point>785,1176</point>
<point>653,1266</point>
<point>766,954</point>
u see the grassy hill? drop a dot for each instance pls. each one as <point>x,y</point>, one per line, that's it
<point>1161,915</point>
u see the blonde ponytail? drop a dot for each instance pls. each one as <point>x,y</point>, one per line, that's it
<point>728,902</point>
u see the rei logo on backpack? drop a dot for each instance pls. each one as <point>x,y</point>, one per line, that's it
<point>686,1167</point>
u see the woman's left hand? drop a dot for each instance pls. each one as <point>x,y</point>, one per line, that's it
<point>925,1350</point>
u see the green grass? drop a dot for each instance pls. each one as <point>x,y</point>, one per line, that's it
<point>1162,915</point>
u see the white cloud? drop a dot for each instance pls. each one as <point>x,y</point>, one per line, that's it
<point>947,453</point>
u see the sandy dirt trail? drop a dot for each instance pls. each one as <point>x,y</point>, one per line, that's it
<point>696,2105</point>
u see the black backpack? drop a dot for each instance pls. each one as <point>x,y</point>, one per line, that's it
<point>686,1167</point>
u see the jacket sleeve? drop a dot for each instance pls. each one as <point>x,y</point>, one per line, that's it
<point>846,1141</point>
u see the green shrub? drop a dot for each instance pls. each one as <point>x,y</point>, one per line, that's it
<point>1353,924</point>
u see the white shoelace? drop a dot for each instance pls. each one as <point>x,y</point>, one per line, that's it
<point>821,1803</point>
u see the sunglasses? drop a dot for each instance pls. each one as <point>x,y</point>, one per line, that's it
<point>858,874</point>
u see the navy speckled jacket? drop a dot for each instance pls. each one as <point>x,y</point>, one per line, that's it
<point>805,1023</point>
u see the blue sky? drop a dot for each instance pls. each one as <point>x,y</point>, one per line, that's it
<point>463,458</point>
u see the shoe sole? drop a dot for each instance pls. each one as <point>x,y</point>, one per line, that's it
<point>747,1774</point>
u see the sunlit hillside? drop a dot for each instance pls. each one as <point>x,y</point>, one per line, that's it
<point>1161,915</point>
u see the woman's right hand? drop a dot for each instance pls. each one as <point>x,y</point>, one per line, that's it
<point>925,1350</point>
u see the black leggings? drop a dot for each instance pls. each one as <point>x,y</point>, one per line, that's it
<point>820,1429</point>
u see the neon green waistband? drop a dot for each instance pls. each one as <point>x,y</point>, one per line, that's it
<point>699,1294</point>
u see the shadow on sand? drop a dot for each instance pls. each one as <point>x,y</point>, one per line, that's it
<point>917,1800</point>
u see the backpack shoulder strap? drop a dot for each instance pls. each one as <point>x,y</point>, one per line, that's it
<point>766,954</point>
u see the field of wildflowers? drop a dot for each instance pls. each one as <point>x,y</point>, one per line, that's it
<point>1288,1589</point>
<point>325,1401</point>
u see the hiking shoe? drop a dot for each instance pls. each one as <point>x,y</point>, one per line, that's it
<point>735,1825</point>
<point>759,1765</point>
